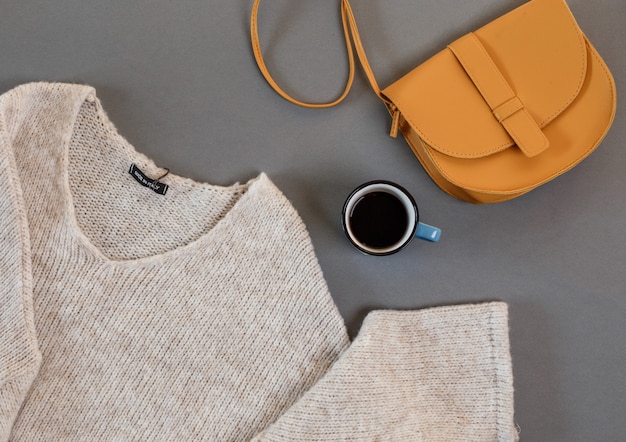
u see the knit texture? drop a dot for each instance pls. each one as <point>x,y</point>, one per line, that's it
<point>433,375</point>
<point>19,356</point>
<point>202,314</point>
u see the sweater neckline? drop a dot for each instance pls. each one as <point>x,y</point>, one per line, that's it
<point>210,237</point>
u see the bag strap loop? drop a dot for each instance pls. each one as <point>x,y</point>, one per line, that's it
<point>353,42</point>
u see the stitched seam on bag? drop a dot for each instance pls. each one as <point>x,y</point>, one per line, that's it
<point>578,32</point>
<point>582,48</point>
<point>454,182</point>
<point>510,128</point>
<point>583,72</point>
<point>603,134</point>
<point>443,150</point>
<point>560,172</point>
<point>475,78</point>
<point>514,134</point>
<point>505,194</point>
<point>438,147</point>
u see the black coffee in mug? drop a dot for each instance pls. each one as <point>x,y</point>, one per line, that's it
<point>381,217</point>
<point>379,220</point>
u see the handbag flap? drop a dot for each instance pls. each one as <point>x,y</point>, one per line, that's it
<point>499,86</point>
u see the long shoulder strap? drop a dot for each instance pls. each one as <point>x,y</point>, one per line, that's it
<point>352,37</point>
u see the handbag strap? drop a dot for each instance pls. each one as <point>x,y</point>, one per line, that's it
<point>353,42</point>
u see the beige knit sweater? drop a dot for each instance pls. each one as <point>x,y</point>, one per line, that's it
<point>201,314</point>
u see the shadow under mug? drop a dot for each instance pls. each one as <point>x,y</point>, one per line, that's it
<point>380,218</point>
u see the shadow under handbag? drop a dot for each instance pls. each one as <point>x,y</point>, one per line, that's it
<point>501,110</point>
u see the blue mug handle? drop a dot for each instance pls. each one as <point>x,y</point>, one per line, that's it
<point>427,232</point>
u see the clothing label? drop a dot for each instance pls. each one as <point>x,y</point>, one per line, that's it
<point>142,179</point>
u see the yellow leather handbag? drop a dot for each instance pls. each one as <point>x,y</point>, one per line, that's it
<point>501,110</point>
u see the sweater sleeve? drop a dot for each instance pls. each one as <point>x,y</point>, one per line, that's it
<point>19,355</point>
<point>441,374</point>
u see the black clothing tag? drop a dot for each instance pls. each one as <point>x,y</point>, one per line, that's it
<point>142,179</point>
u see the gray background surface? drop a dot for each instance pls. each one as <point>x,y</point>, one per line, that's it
<point>179,81</point>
